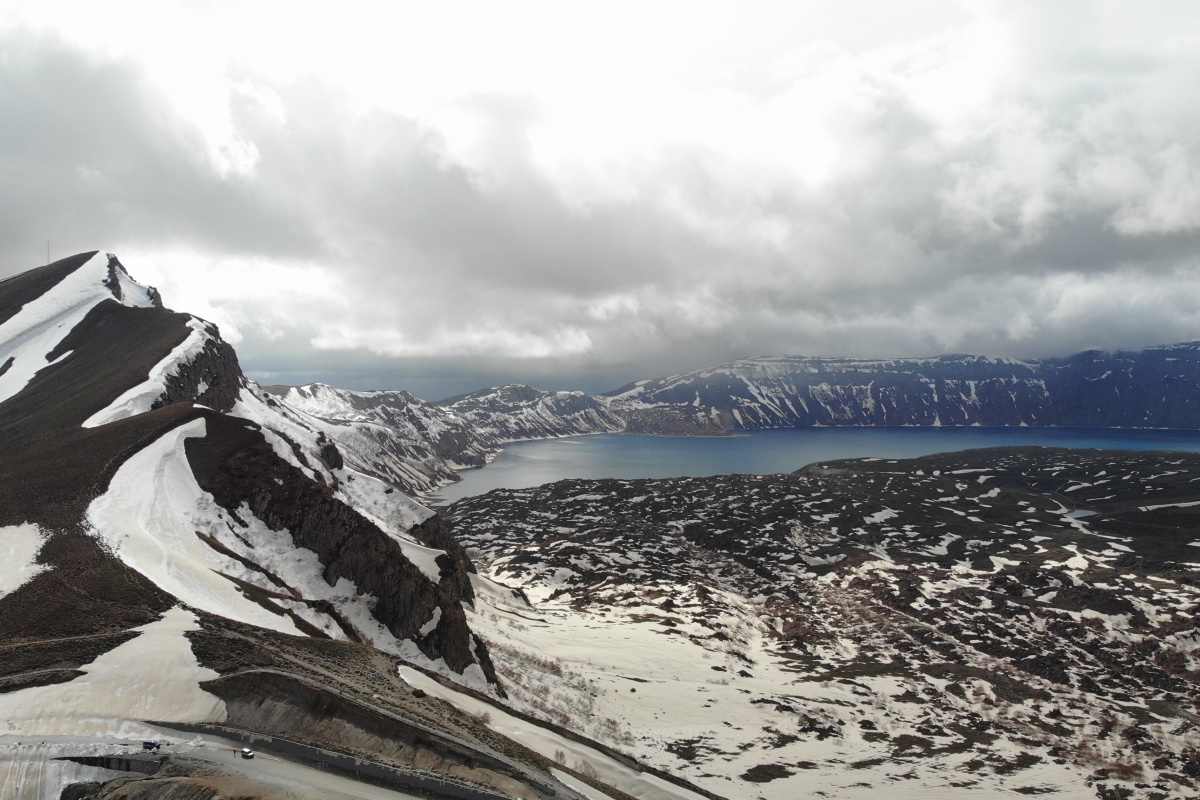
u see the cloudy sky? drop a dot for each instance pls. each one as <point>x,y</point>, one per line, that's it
<point>443,196</point>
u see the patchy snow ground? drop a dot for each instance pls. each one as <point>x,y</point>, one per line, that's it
<point>19,547</point>
<point>730,715</point>
<point>778,636</point>
<point>551,745</point>
<point>153,676</point>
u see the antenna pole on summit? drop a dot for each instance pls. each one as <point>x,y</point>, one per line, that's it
<point>47,251</point>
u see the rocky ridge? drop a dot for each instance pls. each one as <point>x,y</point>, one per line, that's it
<point>159,511</point>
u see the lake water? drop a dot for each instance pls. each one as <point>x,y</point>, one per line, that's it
<point>524,464</point>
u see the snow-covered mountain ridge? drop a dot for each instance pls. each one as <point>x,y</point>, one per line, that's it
<point>181,548</point>
<point>418,446</point>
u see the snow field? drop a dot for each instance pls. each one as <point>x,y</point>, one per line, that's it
<point>19,547</point>
<point>32,771</point>
<point>153,676</point>
<point>148,518</point>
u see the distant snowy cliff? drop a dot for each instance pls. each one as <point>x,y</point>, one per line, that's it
<point>1154,388</point>
<point>418,445</point>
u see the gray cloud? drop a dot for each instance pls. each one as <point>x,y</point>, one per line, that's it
<point>1067,216</point>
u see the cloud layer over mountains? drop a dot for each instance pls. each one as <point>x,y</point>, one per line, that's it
<point>586,203</point>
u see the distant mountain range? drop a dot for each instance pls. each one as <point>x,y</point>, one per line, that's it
<point>1154,388</point>
<point>418,445</point>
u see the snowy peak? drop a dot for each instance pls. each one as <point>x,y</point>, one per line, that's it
<point>110,342</point>
<point>346,405</point>
<point>34,325</point>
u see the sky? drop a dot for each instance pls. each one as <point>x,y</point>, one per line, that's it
<point>445,196</point>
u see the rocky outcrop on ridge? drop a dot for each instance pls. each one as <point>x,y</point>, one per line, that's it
<point>241,470</point>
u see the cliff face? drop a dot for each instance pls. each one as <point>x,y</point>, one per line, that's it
<point>1158,387</point>
<point>513,412</point>
<point>212,377</point>
<point>240,469</point>
<point>1154,388</point>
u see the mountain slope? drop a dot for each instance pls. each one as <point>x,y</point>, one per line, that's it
<point>418,446</point>
<point>156,509</point>
<point>391,435</point>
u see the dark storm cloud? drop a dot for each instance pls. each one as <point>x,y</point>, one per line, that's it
<point>1055,226</point>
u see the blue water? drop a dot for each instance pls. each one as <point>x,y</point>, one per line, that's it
<point>524,464</point>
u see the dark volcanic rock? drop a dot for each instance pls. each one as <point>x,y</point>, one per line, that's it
<point>237,465</point>
<point>434,533</point>
<point>212,378</point>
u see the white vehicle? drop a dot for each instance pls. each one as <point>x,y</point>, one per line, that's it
<point>246,752</point>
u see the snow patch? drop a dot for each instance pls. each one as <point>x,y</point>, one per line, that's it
<point>1169,505</point>
<point>19,546</point>
<point>154,676</point>
<point>880,516</point>
<point>434,619</point>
